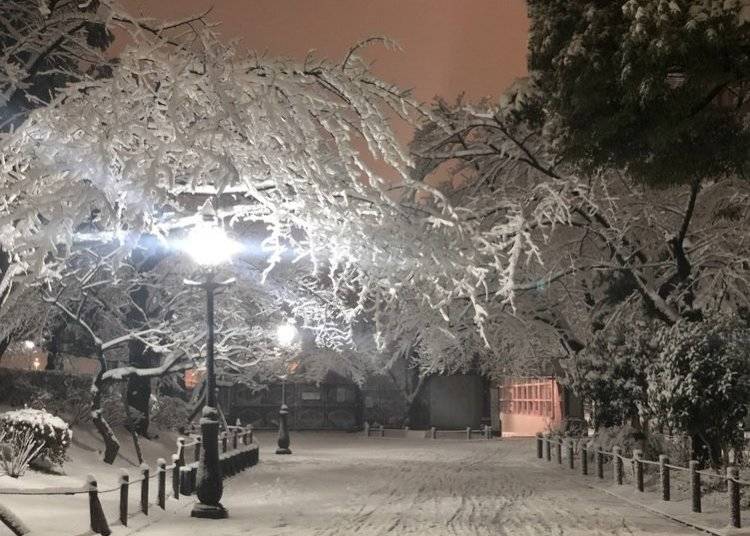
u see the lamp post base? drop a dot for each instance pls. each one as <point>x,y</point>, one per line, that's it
<point>283,451</point>
<point>208,511</point>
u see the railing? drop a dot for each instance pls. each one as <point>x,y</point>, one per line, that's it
<point>243,454</point>
<point>544,446</point>
<point>433,433</point>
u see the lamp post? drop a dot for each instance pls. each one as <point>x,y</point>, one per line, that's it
<point>286,334</point>
<point>209,246</point>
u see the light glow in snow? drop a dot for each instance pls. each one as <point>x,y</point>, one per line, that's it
<point>286,333</point>
<point>209,245</point>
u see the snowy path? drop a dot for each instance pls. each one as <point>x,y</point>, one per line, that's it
<point>340,484</point>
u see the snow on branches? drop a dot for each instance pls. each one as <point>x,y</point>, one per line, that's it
<point>305,149</point>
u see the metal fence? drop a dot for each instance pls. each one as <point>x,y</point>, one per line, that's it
<point>588,452</point>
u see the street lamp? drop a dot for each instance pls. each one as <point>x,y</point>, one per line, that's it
<point>209,246</point>
<point>285,334</point>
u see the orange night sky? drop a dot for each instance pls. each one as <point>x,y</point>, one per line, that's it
<point>449,46</point>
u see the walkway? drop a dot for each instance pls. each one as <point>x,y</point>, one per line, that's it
<point>343,484</point>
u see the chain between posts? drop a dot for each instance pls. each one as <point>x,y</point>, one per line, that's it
<point>638,463</point>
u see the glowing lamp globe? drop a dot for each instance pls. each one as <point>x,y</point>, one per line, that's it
<point>286,333</point>
<point>210,246</point>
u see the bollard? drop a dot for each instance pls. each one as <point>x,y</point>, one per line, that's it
<point>234,439</point>
<point>367,429</point>
<point>144,488</point>
<point>468,432</point>
<point>558,451</point>
<point>584,458</point>
<point>161,495</point>
<point>733,489</point>
<point>695,485</point>
<point>98,520</point>
<point>664,477</point>
<point>599,462</point>
<point>571,454</point>
<point>250,430</point>
<point>547,449</point>
<point>124,485</point>
<point>617,463</point>
<point>223,442</point>
<point>487,431</point>
<point>176,476</point>
<point>197,454</point>
<point>433,432</point>
<point>539,446</point>
<point>186,487</point>
<point>638,468</point>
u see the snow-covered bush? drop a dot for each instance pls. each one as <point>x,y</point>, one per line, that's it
<point>611,373</point>
<point>699,383</point>
<point>26,434</point>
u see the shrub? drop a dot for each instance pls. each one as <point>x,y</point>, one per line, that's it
<point>27,434</point>
<point>611,372</point>
<point>699,383</point>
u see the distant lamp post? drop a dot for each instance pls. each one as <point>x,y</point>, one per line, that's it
<point>285,334</point>
<point>209,246</point>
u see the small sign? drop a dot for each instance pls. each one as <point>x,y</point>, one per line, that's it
<point>311,395</point>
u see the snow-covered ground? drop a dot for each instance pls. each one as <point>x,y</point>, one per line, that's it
<point>344,484</point>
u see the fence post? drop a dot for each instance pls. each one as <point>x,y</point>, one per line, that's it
<point>197,454</point>
<point>733,488</point>
<point>162,490</point>
<point>558,451</point>
<point>488,431</point>
<point>638,467</point>
<point>664,477</point>
<point>382,431</point>
<point>547,449</point>
<point>695,485</point>
<point>96,514</point>
<point>145,473</point>
<point>367,429</point>
<point>599,462</point>
<point>571,454</point>
<point>179,461</point>
<point>176,476</point>
<point>584,458</point>
<point>124,487</point>
<point>539,446</point>
<point>468,432</point>
<point>433,432</point>
<point>617,463</point>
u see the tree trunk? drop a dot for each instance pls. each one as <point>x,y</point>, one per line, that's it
<point>138,394</point>
<point>10,520</point>
<point>4,343</point>
<point>111,444</point>
<point>53,349</point>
